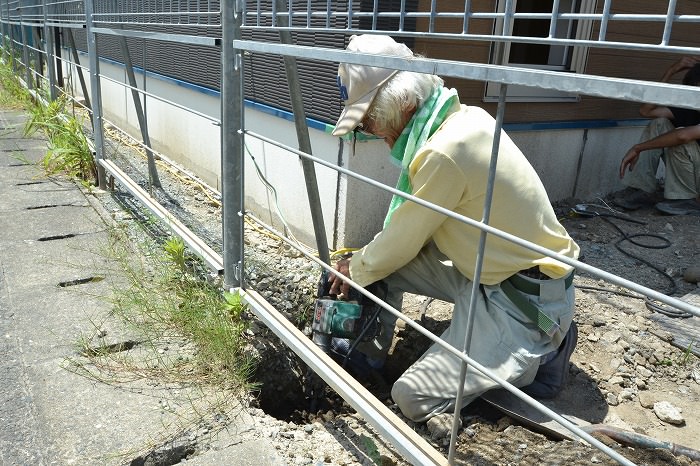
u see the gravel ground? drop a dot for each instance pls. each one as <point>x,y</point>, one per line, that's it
<point>627,371</point>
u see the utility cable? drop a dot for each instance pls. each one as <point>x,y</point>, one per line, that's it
<point>587,210</point>
<point>273,191</point>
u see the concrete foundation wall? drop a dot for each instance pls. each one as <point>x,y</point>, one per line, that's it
<point>573,162</point>
<point>578,163</point>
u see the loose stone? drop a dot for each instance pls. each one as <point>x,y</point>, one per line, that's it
<point>668,413</point>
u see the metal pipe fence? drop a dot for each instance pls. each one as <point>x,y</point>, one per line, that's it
<point>235,28</point>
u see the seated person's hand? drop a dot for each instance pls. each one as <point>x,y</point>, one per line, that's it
<point>629,161</point>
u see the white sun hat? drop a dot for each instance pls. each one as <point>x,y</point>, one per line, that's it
<point>359,84</point>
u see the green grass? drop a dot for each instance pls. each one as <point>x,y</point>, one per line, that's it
<point>687,355</point>
<point>178,337</point>
<point>167,296</point>
<point>164,295</point>
<point>12,95</point>
<point>68,152</point>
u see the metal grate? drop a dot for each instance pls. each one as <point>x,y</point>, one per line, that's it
<point>459,20</point>
<point>184,16</point>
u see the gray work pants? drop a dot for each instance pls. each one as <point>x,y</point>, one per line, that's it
<point>682,179</point>
<point>503,339</point>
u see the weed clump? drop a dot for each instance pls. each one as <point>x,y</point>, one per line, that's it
<point>168,295</point>
<point>12,94</point>
<point>68,152</point>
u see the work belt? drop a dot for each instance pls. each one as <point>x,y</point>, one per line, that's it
<point>515,286</point>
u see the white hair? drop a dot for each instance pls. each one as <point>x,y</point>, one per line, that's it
<point>403,91</point>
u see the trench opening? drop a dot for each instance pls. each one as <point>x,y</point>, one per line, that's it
<point>29,183</point>
<point>81,281</point>
<point>284,387</point>
<point>290,391</point>
<point>56,237</point>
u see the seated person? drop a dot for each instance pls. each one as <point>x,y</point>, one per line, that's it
<point>673,136</point>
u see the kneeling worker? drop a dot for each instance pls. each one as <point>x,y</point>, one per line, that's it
<point>444,149</point>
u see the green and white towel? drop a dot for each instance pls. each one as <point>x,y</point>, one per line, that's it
<point>425,121</point>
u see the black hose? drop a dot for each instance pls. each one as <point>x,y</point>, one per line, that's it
<point>664,243</point>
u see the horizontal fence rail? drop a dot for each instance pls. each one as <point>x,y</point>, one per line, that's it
<point>624,89</point>
<point>241,29</point>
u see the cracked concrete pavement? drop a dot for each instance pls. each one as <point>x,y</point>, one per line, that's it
<point>49,414</point>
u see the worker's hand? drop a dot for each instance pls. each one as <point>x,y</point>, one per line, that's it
<point>629,160</point>
<point>338,285</point>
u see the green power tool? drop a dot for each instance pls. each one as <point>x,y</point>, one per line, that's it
<point>355,318</point>
<point>341,323</point>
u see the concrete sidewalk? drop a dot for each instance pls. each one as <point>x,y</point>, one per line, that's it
<point>50,237</point>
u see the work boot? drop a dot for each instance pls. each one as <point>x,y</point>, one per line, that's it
<point>552,374</point>
<point>679,207</point>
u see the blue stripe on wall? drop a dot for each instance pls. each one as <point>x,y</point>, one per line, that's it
<point>328,128</point>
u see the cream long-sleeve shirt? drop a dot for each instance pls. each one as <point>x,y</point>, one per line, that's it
<point>451,170</point>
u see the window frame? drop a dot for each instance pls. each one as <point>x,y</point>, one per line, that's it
<point>517,93</point>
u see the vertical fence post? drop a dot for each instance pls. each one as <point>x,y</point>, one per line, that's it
<point>96,95</point>
<point>466,348</point>
<point>500,113</point>
<point>11,48</point>
<point>3,31</point>
<point>25,54</point>
<point>58,59</point>
<point>39,67</point>
<point>232,144</point>
<point>50,64</point>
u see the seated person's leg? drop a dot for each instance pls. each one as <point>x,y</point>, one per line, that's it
<point>643,177</point>
<point>682,186</point>
<point>640,183</point>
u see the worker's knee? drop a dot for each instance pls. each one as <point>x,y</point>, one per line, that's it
<point>414,405</point>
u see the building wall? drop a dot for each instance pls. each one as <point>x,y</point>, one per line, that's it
<point>629,64</point>
<point>573,160</point>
